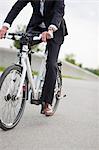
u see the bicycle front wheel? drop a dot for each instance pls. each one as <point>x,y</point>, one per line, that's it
<point>11,109</point>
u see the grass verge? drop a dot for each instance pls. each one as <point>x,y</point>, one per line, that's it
<point>71,77</point>
<point>33,72</point>
<point>2,69</point>
<point>36,73</point>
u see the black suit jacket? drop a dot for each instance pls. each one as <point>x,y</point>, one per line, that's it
<point>53,14</point>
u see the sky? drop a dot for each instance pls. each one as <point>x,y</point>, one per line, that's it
<point>82,19</point>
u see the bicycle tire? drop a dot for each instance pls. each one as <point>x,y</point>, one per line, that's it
<point>57,90</point>
<point>9,98</point>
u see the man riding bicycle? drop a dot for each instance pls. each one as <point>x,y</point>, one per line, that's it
<point>47,18</point>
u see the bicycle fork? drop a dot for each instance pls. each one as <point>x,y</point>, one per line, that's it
<point>22,78</point>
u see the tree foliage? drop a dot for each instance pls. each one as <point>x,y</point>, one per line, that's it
<point>71,59</point>
<point>16,44</point>
<point>95,71</point>
<point>20,28</point>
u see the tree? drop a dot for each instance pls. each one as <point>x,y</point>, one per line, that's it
<point>16,43</point>
<point>70,58</point>
<point>95,71</point>
<point>20,28</point>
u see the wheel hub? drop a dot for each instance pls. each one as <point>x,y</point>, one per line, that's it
<point>9,97</point>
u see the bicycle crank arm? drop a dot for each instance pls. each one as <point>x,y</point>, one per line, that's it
<point>61,97</point>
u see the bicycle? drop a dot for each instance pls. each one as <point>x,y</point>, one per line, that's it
<point>17,83</point>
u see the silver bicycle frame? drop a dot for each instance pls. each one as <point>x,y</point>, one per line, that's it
<point>27,69</point>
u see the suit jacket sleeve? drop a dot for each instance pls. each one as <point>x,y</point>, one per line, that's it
<point>17,7</point>
<point>58,13</point>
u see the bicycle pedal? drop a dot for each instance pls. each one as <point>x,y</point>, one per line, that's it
<point>64,95</point>
<point>35,102</point>
<point>61,97</point>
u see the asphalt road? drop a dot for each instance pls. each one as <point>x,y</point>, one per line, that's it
<point>75,126</point>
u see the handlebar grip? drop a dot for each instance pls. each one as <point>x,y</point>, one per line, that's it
<point>15,34</point>
<point>10,33</point>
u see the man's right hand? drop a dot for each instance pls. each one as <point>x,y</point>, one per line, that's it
<point>3,32</point>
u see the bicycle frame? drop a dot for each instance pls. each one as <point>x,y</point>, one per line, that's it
<point>27,69</point>
<point>18,85</point>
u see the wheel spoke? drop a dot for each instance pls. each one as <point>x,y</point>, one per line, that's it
<point>10,106</point>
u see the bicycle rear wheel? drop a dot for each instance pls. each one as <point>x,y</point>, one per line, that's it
<point>57,90</point>
<point>11,109</point>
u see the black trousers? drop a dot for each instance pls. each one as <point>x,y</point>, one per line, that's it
<point>51,71</point>
<point>53,48</point>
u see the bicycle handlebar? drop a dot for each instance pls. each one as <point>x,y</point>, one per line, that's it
<point>15,34</point>
<point>36,35</point>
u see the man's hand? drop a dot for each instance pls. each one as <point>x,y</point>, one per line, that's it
<point>47,35</point>
<point>3,32</point>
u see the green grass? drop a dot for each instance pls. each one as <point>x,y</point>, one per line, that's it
<point>33,72</point>
<point>71,77</point>
<point>36,73</point>
<point>2,69</point>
